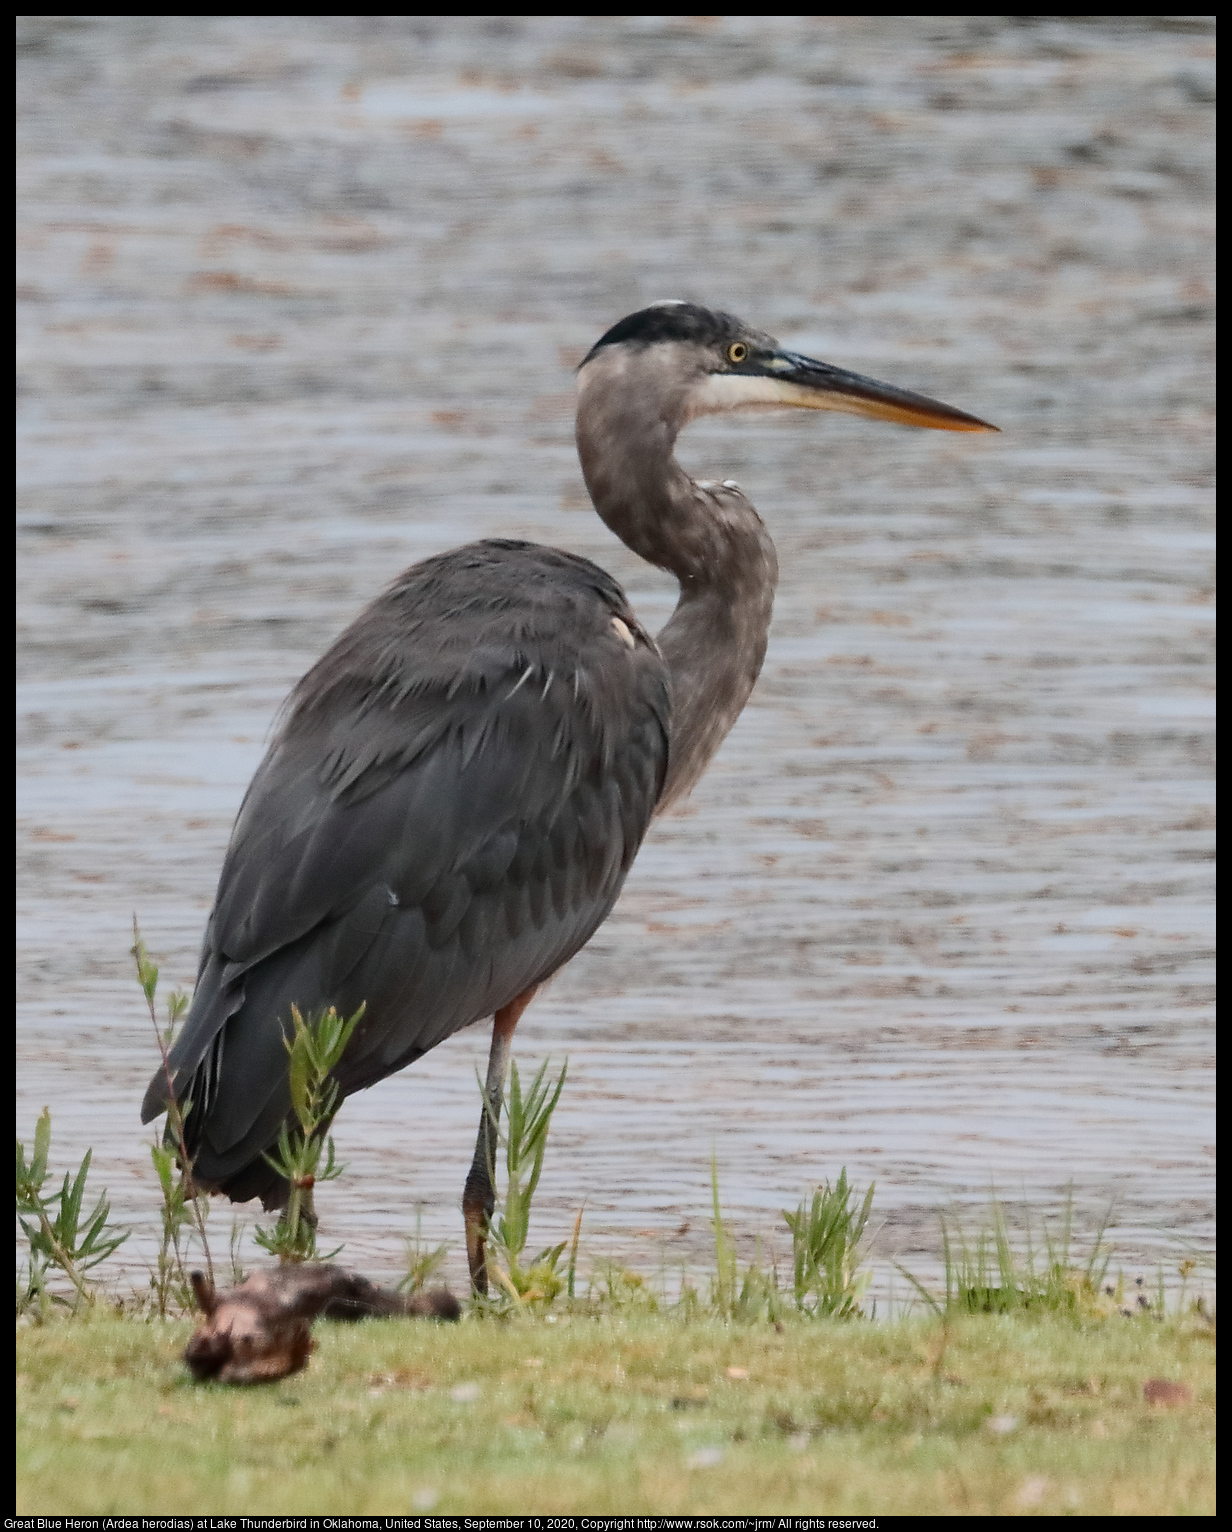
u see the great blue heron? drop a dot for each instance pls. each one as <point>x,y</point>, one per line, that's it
<point>459,786</point>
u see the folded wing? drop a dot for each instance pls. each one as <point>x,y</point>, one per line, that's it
<point>446,817</point>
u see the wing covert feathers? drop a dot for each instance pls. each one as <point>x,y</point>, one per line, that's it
<point>447,813</point>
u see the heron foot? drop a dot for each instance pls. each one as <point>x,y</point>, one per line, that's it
<point>477,1211</point>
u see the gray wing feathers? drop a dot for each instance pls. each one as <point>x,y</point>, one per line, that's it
<point>446,817</point>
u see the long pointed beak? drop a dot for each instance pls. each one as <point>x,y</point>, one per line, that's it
<point>800,382</point>
<point>818,386</point>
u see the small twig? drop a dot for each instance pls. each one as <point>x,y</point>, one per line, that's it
<point>573,1247</point>
<point>149,985</point>
<point>943,1347</point>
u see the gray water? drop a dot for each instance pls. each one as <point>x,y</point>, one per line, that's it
<point>301,300</point>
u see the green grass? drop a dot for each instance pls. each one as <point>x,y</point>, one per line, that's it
<point>1018,1389</point>
<point>988,1413</point>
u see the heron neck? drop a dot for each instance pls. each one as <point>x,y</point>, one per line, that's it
<point>714,542</point>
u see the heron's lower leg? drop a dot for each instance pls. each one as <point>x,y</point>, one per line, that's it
<point>479,1196</point>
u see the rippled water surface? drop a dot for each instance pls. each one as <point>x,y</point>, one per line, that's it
<point>301,300</point>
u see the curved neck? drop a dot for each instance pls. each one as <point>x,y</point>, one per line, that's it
<point>708,536</point>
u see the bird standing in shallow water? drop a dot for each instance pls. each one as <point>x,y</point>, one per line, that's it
<point>459,786</point>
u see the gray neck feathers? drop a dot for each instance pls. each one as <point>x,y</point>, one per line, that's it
<point>707,535</point>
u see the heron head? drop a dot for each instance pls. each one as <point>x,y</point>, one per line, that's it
<point>695,361</point>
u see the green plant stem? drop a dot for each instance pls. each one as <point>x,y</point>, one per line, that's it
<point>60,1255</point>
<point>724,1255</point>
<point>573,1249</point>
<point>147,977</point>
<point>525,1142</point>
<point>313,1050</point>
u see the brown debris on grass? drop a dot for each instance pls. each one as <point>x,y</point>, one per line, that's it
<point>261,1329</point>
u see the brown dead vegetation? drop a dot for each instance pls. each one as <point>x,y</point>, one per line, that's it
<point>261,1329</point>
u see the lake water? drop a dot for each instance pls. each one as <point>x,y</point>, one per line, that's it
<point>301,300</point>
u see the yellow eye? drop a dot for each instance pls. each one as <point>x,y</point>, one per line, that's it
<point>737,351</point>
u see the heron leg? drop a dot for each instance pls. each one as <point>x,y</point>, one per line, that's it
<point>479,1197</point>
